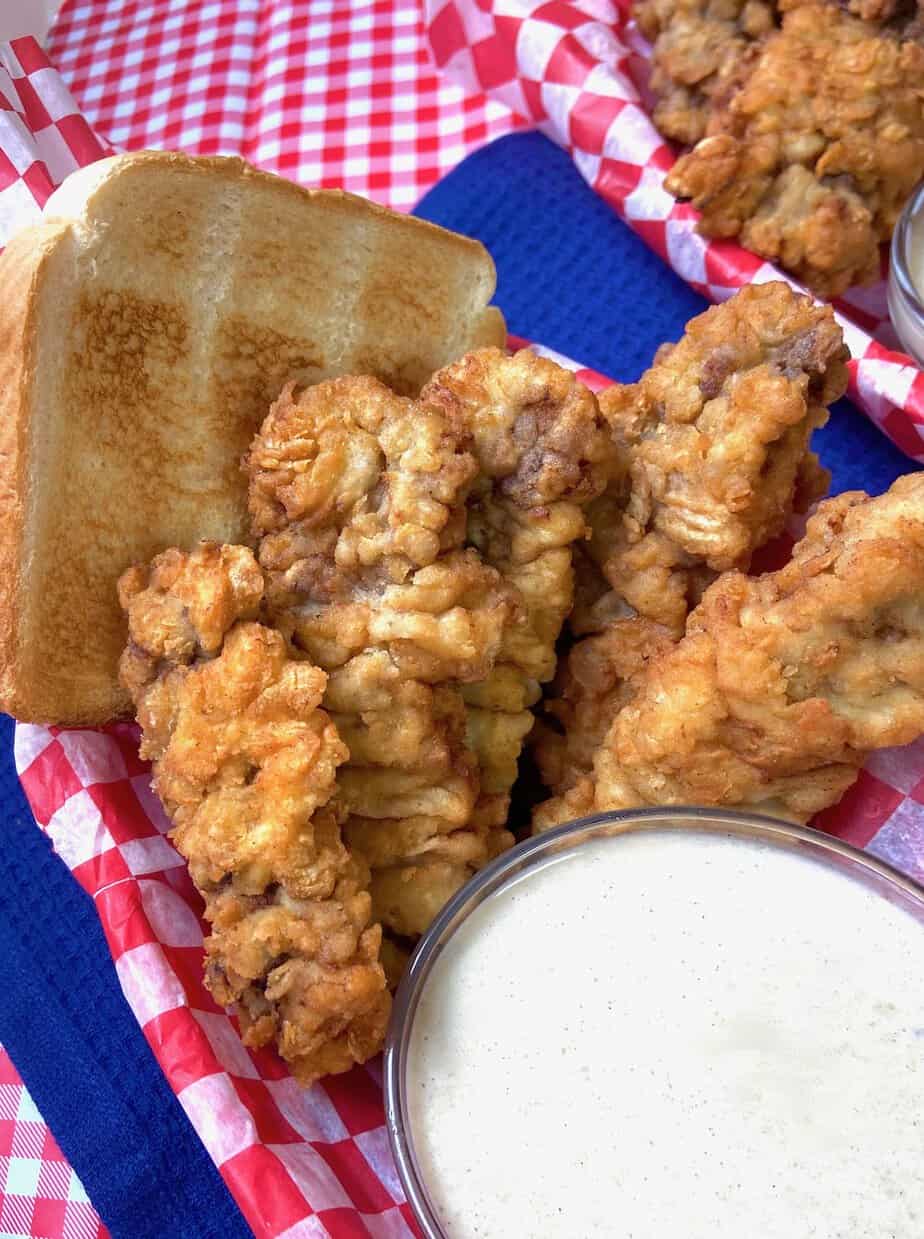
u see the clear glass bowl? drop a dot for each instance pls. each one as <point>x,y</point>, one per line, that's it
<point>517,863</point>
<point>906,300</point>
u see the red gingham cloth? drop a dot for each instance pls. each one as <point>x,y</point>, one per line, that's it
<point>331,93</point>
<point>300,1163</point>
<point>578,71</point>
<point>39,1193</point>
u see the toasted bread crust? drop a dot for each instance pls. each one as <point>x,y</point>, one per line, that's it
<point>20,272</point>
<point>145,327</point>
<point>234,170</point>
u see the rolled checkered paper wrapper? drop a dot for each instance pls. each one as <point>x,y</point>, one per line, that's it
<point>43,137</point>
<point>299,1162</point>
<point>577,71</point>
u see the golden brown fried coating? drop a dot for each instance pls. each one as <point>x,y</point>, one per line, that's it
<point>811,153</point>
<point>353,487</point>
<point>179,608</point>
<point>716,435</point>
<point>783,683</point>
<point>717,431</point>
<point>593,683</point>
<point>358,498</point>
<point>421,553</point>
<point>245,763</point>
<point>698,49</point>
<point>543,452</point>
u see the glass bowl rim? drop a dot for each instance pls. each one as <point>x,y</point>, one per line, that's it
<point>898,260</point>
<point>524,856</point>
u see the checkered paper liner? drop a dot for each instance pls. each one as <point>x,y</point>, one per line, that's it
<point>39,1192</point>
<point>578,71</point>
<point>299,1163</point>
<point>43,137</point>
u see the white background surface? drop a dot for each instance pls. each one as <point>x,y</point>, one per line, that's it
<point>26,17</point>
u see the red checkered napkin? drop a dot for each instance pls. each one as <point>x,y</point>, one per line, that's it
<point>300,1163</point>
<point>39,1193</point>
<point>577,69</point>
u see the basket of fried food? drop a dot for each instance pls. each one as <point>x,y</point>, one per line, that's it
<point>337,713</point>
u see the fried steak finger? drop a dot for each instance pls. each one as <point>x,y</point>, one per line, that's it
<point>717,435</point>
<point>421,553</point>
<point>543,452</point>
<point>699,46</point>
<point>717,430</point>
<point>784,683</point>
<point>358,499</point>
<point>812,145</point>
<point>245,764</point>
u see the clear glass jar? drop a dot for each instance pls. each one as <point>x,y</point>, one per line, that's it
<point>516,865</point>
<point>906,298</point>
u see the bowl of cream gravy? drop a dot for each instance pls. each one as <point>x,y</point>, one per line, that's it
<point>678,1024</point>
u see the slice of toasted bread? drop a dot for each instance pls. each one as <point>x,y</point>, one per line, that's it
<point>145,327</point>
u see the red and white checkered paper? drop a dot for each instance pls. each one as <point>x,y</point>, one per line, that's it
<point>39,1192</point>
<point>577,70</point>
<point>300,1163</point>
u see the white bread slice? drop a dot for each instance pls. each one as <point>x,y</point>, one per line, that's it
<point>145,327</point>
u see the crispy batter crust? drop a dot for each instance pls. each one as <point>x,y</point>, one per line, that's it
<point>245,763</point>
<point>594,682</point>
<point>813,143</point>
<point>718,428</point>
<point>543,452</point>
<point>698,49</point>
<point>783,683</point>
<point>717,438</point>
<point>420,551</point>
<point>358,499</point>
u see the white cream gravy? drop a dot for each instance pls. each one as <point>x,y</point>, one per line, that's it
<point>669,1035</point>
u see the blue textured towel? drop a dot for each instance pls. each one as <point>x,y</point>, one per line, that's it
<point>571,276</point>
